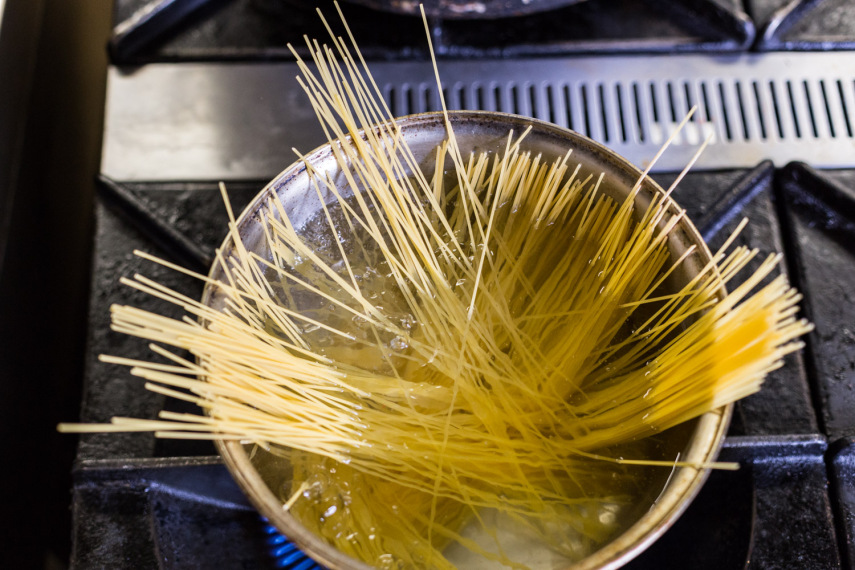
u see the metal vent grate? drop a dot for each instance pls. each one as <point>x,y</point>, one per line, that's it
<point>240,121</point>
<point>643,112</point>
<point>751,107</point>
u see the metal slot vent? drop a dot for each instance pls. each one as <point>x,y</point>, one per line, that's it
<point>645,112</point>
<point>785,113</point>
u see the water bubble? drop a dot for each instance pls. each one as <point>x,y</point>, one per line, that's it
<point>408,322</point>
<point>607,516</point>
<point>359,321</point>
<point>398,343</point>
<point>323,341</point>
<point>330,511</point>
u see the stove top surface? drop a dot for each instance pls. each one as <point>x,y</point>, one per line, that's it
<point>143,502</point>
<point>780,510</point>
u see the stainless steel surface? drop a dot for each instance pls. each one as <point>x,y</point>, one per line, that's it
<point>698,441</point>
<point>239,121</point>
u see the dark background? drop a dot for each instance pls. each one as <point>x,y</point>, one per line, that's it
<point>52,74</point>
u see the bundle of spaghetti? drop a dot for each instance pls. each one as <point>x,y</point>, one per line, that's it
<point>440,344</point>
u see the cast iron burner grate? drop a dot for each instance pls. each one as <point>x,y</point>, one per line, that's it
<point>228,30</point>
<point>143,503</point>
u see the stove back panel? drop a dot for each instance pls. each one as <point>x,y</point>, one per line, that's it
<point>233,122</point>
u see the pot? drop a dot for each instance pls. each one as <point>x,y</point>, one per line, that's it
<point>472,9</point>
<point>264,478</point>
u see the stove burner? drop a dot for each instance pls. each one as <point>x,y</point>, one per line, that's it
<point>285,553</point>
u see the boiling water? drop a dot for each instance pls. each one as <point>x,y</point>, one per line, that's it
<point>496,532</point>
<point>634,489</point>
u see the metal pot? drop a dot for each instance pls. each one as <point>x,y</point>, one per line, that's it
<point>472,9</point>
<point>698,441</point>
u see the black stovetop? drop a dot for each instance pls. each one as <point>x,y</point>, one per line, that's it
<point>142,502</point>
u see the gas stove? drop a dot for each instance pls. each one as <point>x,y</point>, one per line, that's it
<point>203,91</point>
